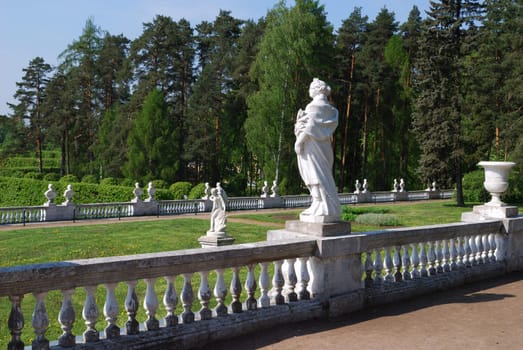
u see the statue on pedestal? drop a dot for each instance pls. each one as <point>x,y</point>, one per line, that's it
<point>265,190</point>
<point>68,195</point>
<point>137,193</point>
<point>218,214</point>
<point>313,129</point>
<point>151,191</point>
<point>50,194</point>
<point>274,189</point>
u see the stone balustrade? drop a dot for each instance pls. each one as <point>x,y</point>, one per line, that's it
<point>193,297</point>
<point>71,211</point>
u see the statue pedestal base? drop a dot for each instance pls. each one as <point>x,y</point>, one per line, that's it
<point>318,229</point>
<point>214,240</point>
<point>489,212</point>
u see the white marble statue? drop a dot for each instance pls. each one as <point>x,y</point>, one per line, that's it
<point>68,195</point>
<point>357,186</point>
<point>395,186</point>
<point>274,189</point>
<point>265,190</point>
<point>151,191</point>
<point>218,214</point>
<point>50,194</point>
<point>207,191</point>
<point>313,129</point>
<point>402,185</point>
<point>365,186</point>
<point>137,193</point>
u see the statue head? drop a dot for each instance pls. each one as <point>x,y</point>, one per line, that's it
<point>318,87</point>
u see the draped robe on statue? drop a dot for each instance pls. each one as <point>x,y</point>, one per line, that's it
<point>314,128</point>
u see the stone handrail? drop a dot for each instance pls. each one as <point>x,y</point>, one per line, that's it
<point>269,282</point>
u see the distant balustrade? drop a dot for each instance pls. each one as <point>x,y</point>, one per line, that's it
<point>68,210</point>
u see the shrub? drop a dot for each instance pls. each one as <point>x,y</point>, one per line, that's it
<point>127,182</point>
<point>197,191</point>
<point>51,177</point>
<point>33,175</point>
<point>351,213</point>
<point>160,184</point>
<point>180,189</point>
<point>90,179</point>
<point>69,179</point>
<point>111,181</point>
<point>514,192</point>
<point>377,219</point>
<point>473,189</point>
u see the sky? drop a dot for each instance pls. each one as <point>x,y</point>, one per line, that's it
<point>38,28</point>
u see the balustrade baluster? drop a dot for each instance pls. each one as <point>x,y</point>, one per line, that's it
<point>204,295</point>
<point>90,315</point>
<point>290,280</point>
<point>388,265</point>
<point>485,250</point>
<point>431,256</point>
<point>397,264</point>
<point>250,287</point>
<point>473,251</point>
<point>465,252</point>
<point>369,268</point>
<point>220,292</point>
<point>264,300</point>
<point>40,322</point>
<point>111,311</point>
<point>438,252</point>
<point>304,278</point>
<point>405,261</point>
<point>277,284</point>
<point>16,323</point>
<point>499,253</point>
<point>236,290</point>
<point>187,297</point>
<point>445,255</point>
<point>492,247</point>
<point>378,267</point>
<point>453,254</point>
<point>479,249</point>
<point>131,306</point>
<point>423,260</point>
<point>150,304</point>
<point>414,257</point>
<point>170,299</point>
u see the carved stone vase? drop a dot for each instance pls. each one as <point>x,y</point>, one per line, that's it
<point>496,179</point>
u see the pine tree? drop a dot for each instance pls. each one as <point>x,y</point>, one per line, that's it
<point>31,94</point>
<point>438,116</point>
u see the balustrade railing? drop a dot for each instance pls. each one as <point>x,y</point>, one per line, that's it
<point>16,215</point>
<point>409,254</point>
<point>251,274</point>
<point>103,210</point>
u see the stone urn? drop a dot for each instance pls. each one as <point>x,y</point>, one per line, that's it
<point>496,180</point>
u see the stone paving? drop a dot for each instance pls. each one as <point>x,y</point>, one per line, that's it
<point>485,315</point>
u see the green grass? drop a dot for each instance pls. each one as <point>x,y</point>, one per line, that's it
<point>38,245</point>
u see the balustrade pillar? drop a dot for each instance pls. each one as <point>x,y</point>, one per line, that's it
<point>204,295</point>
<point>304,278</point>
<point>378,266</point>
<point>396,261</point>
<point>290,280</point>
<point>431,257</point>
<point>131,307</point>
<point>187,297</point>
<point>277,284</point>
<point>111,311</point>
<point>66,318</point>
<point>90,315</point>
<point>150,304</point>
<point>220,292</point>
<point>369,268</point>
<point>423,260</point>
<point>405,261</point>
<point>264,300</point>
<point>170,299</point>
<point>388,264</point>
<point>40,322</point>
<point>236,290</point>
<point>16,323</point>
<point>415,260</point>
<point>250,287</point>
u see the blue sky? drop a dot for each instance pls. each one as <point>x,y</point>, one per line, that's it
<point>31,28</point>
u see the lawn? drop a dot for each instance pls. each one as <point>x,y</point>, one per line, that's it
<point>76,241</point>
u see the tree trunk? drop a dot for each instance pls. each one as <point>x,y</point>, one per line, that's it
<point>346,129</point>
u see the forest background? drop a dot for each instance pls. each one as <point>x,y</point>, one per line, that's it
<point>423,100</point>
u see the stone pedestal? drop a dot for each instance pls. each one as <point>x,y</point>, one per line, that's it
<point>489,212</point>
<point>215,239</point>
<point>318,229</point>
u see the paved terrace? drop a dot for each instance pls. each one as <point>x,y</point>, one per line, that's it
<point>484,315</point>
